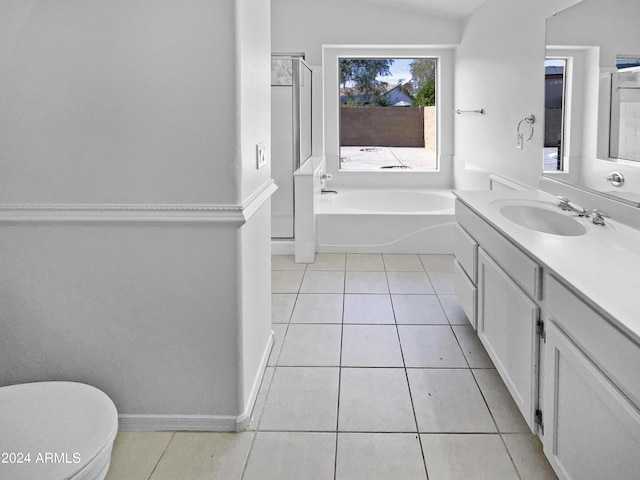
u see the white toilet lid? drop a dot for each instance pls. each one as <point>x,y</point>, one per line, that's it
<point>61,426</point>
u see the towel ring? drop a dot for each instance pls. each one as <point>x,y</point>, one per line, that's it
<point>530,120</point>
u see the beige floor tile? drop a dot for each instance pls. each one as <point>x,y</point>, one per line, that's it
<point>504,410</point>
<point>526,452</point>
<point>453,310</point>
<point>371,346</point>
<point>418,310</point>
<point>438,263</point>
<point>409,283</point>
<point>471,346</point>
<point>322,282</point>
<point>366,282</point>
<point>328,261</point>
<point>379,456</point>
<point>365,262</point>
<point>311,345</point>
<point>442,282</point>
<point>282,307</point>
<point>204,456</point>
<point>286,281</point>
<point>402,263</point>
<point>291,456</point>
<point>135,454</point>
<point>368,308</point>
<point>302,399</point>
<point>318,308</point>
<point>467,457</point>
<point>375,400</point>
<point>448,401</point>
<point>286,262</point>
<point>430,346</point>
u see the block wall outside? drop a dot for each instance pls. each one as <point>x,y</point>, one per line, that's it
<point>430,130</point>
<point>382,126</point>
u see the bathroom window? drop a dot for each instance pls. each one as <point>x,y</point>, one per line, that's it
<point>554,114</point>
<point>388,113</point>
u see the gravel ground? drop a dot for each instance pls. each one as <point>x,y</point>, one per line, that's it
<point>383,158</point>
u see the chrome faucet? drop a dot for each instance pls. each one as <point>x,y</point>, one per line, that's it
<point>598,217</point>
<point>566,206</point>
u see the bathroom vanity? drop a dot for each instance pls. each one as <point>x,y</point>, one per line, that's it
<point>555,301</point>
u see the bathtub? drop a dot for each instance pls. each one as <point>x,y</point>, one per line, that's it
<point>386,221</point>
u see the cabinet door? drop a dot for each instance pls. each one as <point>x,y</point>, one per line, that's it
<point>507,327</point>
<point>592,431</point>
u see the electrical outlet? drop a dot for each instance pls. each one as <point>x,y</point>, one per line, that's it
<point>261,155</point>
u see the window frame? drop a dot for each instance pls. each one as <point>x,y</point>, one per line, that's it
<point>443,174</point>
<point>565,121</point>
<point>437,68</point>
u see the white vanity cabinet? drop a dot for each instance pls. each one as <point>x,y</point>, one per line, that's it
<point>592,392</point>
<point>466,274</point>
<point>507,327</point>
<point>505,283</point>
<point>560,318</point>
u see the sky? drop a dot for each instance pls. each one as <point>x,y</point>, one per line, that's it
<point>399,71</point>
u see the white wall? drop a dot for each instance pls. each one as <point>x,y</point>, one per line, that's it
<point>308,25</point>
<point>500,68</point>
<point>253,33</point>
<point>133,221</point>
<point>119,102</point>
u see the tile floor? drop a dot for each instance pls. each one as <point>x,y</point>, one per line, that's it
<point>375,374</point>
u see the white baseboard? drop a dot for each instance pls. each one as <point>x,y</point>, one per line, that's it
<point>159,423</point>
<point>243,420</point>
<point>199,423</point>
<point>282,247</point>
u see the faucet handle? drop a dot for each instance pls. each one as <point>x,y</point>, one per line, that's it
<point>564,203</point>
<point>599,216</point>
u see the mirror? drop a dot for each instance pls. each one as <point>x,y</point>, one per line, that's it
<point>595,38</point>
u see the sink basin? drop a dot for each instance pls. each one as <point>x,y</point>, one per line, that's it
<point>543,220</point>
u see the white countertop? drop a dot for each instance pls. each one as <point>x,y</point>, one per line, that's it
<point>602,266</point>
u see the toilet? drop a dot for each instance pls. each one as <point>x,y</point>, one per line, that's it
<point>55,431</point>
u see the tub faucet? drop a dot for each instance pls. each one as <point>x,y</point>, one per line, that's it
<point>566,206</point>
<point>323,181</point>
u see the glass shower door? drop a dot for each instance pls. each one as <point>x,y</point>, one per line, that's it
<point>290,136</point>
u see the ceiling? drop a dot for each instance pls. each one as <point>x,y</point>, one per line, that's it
<point>454,9</point>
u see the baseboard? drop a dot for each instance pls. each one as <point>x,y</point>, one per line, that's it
<point>159,423</point>
<point>244,419</point>
<point>282,247</point>
<point>200,423</point>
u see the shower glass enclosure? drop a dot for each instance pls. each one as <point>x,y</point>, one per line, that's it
<point>290,135</point>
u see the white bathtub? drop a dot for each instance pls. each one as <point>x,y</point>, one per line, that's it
<point>386,221</point>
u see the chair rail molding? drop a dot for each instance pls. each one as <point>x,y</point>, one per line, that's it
<point>35,213</point>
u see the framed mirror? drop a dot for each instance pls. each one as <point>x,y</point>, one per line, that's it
<point>592,107</point>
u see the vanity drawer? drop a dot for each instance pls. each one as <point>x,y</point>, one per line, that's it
<point>521,268</point>
<point>467,293</point>
<point>611,350</point>
<point>466,251</point>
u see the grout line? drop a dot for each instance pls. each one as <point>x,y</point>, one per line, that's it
<point>515,467</point>
<point>406,376</point>
<point>161,455</point>
<point>404,367</point>
<point>335,456</point>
